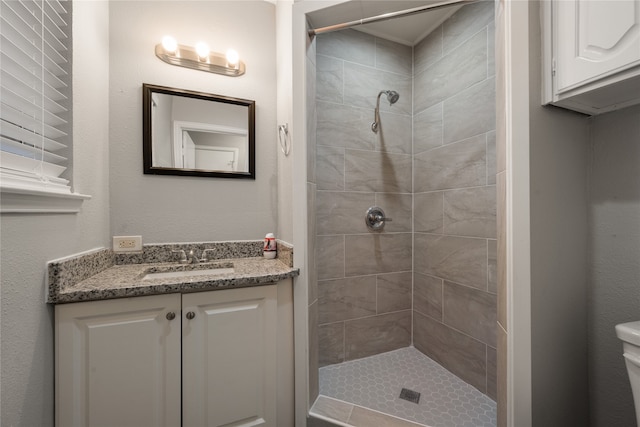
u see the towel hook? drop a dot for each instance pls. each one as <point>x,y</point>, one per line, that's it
<point>283,136</point>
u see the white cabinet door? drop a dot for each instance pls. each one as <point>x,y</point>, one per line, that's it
<point>594,39</point>
<point>229,357</point>
<point>118,362</point>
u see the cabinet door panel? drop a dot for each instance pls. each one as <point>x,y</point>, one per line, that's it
<point>595,38</point>
<point>118,363</point>
<point>229,357</point>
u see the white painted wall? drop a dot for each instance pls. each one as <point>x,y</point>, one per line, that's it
<point>29,241</point>
<point>284,59</point>
<point>176,208</point>
<point>614,258</point>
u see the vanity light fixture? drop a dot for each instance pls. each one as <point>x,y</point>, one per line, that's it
<point>200,58</point>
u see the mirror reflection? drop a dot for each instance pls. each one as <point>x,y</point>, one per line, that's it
<point>197,134</point>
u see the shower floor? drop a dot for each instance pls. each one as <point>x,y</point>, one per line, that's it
<point>375,383</point>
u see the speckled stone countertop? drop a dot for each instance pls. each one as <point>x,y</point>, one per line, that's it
<point>102,274</point>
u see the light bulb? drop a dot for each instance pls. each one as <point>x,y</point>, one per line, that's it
<point>202,50</point>
<point>169,44</point>
<point>232,57</point>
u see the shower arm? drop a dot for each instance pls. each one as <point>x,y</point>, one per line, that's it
<point>376,117</point>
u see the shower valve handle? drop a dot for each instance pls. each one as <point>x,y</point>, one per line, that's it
<point>375,218</point>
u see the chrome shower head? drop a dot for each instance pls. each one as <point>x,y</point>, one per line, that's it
<point>392,97</point>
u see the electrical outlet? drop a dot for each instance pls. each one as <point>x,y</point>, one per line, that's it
<point>127,243</point>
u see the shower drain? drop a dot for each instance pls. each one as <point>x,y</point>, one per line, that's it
<point>410,395</point>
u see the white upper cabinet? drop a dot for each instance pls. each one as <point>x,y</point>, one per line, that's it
<point>592,54</point>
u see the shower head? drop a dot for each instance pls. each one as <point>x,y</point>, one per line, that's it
<point>392,97</point>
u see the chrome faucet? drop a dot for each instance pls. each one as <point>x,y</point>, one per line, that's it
<point>193,259</point>
<point>187,259</point>
<point>183,256</point>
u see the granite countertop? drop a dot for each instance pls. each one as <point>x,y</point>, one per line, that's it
<point>94,276</point>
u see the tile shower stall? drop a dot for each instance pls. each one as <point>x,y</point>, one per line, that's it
<point>428,280</point>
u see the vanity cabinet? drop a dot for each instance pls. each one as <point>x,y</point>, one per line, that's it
<point>199,359</point>
<point>592,54</point>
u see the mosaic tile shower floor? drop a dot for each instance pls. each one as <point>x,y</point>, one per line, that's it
<point>375,382</point>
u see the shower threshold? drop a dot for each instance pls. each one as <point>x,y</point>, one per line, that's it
<point>366,392</point>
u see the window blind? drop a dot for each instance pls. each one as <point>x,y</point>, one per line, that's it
<point>35,94</point>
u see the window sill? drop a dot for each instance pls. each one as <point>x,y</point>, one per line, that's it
<point>28,200</point>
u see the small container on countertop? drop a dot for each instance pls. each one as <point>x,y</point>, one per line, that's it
<point>269,251</point>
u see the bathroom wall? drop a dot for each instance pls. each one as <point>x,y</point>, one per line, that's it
<point>454,258</point>
<point>28,241</point>
<point>176,208</point>
<point>614,251</point>
<point>364,277</point>
<point>558,158</point>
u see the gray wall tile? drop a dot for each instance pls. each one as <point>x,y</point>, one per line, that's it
<point>330,257</point>
<point>362,85</point>
<point>427,51</point>
<point>311,240</point>
<point>378,334</point>
<point>470,212</point>
<point>331,343</point>
<point>492,371</point>
<point>457,352</point>
<point>465,23</point>
<point>471,112</point>
<point>456,71</point>
<point>458,259</point>
<point>491,157</point>
<point>394,133</point>
<point>491,51</point>
<point>427,295</point>
<point>394,292</point>
<point>345,126</point>
<point>342,212</point>
<point>330,168</point>
<point>470,311</point>
<point>314,384</point>
<point>311,121</point>
<point>377,171</point>
<point>394,57</point>
<point>462,164</point>
<point>429,212</point>
<point>398,207</point>
<point>351,45</point>
<point>344,299</point>
<point>492,266</point>
<point>377,253</point>
<point>329,79</point>
<point>427,129</point>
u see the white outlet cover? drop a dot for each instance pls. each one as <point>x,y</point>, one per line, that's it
<point>127,243</point>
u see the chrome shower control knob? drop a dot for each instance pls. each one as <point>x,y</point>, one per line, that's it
<point>191,315</point>
<point>375,219</point>
<point>171,315</point>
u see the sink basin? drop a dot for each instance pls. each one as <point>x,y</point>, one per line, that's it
<point>189,270</point>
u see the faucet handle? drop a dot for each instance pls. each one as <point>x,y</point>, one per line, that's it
<point>183,256</point>
<point>204,254</point>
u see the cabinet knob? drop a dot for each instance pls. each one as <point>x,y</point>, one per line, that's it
<point>171,315</point>
<point>191,315</point>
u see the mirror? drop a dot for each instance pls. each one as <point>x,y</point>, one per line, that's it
<point>197,134</point>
